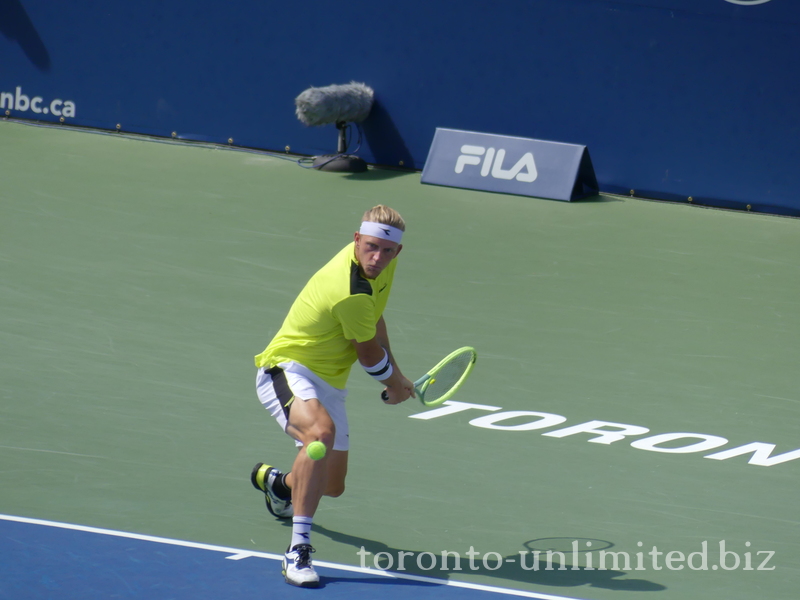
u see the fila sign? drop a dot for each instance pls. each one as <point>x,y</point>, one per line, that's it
<point>492,163</point>
<point>509,165</point>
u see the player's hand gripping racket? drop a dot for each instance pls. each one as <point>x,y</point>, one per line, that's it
<point>443,380</point>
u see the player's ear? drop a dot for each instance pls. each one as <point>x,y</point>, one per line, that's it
<point>356,237</point>
<point>399,247</point>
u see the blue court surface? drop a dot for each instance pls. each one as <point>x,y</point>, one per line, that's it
<point>44,560</point>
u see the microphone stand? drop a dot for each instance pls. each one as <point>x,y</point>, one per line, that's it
<point>340,162</point>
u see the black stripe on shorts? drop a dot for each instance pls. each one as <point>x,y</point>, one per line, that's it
<point>281,386</point>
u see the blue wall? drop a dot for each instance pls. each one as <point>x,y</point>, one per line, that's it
<point>674,98</point>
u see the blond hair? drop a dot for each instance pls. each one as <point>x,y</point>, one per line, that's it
<point>386,216</point>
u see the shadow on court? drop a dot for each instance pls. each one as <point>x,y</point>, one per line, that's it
<point>554,573</point>
<point>379,174</point>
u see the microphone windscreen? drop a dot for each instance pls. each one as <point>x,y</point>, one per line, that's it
<point>349,103</point>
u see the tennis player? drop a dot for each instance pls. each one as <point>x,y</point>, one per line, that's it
<point>335,321</point>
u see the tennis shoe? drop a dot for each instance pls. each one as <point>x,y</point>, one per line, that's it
<point>297,567</point>
<point>263,477</point>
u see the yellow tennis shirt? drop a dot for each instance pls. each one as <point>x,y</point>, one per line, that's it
<point>337,305</point>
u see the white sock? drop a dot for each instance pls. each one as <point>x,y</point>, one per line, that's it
<point>301,531</point>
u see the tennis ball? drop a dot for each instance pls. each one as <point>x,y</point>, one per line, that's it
<point>316,450</point>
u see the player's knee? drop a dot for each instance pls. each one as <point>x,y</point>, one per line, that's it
<point>322,431</point>
<point>326,436</point>
<point>335,490</point>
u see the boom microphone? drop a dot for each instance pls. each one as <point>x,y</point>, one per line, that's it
<point>349,103</point>
<point>338,104</point>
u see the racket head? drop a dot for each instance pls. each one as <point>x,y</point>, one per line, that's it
<point>442,381</point>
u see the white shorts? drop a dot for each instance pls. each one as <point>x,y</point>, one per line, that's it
<point>277,386</point>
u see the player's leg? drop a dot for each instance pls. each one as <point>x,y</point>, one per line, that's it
<point>308,479</point>
<point>290,392</point>
<point>275,394</point>
<point>336,473</point>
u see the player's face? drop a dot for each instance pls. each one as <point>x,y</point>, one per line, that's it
<point>374,254</point>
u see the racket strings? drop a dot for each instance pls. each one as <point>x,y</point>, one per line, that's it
<point>449,375</point>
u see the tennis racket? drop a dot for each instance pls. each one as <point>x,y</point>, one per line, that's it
<point>443,380</point>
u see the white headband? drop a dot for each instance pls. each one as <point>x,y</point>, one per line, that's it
<point>379,230</point>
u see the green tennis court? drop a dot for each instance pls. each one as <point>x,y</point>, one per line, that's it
<point>635,396</point>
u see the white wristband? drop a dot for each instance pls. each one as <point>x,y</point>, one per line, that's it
<point>383,370</point>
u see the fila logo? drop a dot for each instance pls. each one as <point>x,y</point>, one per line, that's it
<point>524,170</point>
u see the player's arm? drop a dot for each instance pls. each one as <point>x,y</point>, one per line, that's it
<point>375,356</point>
<point>382,336</point>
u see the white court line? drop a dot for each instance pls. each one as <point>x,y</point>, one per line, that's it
<point>50,451</point>
<point>238,554</point>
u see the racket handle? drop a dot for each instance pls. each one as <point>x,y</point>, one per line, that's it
<point>384,396</point>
